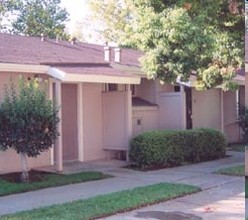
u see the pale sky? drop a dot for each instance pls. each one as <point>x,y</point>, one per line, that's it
<point>79,20</point>
<point>77,10</point>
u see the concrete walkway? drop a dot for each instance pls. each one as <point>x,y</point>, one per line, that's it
<point>197,174</point>
<point>246,208</point>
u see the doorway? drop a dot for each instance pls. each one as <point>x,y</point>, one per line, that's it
<point>188,94</point>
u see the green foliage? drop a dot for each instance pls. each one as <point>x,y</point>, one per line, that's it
<point>180,37</point>
<point>243,123</point>
<point>173,148</point>
<point>36,17</point>
<point>28,121</point>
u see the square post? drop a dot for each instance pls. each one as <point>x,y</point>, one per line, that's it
<point>80,121</point>
<point>59,142</point>
<point>128,118</point>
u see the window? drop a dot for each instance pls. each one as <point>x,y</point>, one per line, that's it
<point>112,87</point>
<point>133,90</point>
<point>177,88</point>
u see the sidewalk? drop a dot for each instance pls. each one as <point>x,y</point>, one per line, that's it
<point>197,174</point>
<point>225,202</point>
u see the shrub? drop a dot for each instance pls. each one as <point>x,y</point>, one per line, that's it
<point>172,148</point>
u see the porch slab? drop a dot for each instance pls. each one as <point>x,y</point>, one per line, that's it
<point>96,165</point>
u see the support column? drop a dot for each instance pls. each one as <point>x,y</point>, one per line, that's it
<point>80,121</point>
<point>128,118</point>
<point>51,97</point>
<point>59,143</point>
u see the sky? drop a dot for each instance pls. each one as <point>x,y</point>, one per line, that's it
<point>79,20</point>
<point>77,9</point>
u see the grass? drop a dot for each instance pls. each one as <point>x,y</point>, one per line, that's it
<point>239,147</point>
<point>233,171</point>
<point>50,180</point>
<point>109,204</point>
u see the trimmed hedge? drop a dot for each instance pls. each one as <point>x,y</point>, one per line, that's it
<point>175,147</point>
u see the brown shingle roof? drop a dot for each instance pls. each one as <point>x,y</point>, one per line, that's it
<point>31,50</point>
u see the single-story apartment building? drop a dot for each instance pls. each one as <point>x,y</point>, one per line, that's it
<point>105,99</point>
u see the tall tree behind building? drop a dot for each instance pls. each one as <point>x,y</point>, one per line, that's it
<point>36,17</point>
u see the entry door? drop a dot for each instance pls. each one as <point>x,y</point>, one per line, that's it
<point>188,93</point>
<point>69,122</point>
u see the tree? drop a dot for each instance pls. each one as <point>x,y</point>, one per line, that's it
<point>36,17</point>
<point>28,122</point>
<point>5,7</point>
<point>183,37</point>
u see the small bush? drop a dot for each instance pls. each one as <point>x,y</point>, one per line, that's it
<point>173,148</point>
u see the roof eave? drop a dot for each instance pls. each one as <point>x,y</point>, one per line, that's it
<point>31,68</point>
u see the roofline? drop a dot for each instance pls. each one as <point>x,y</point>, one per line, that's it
<point>66,76</point>
<point>30,68</point>
<point>91,78</point>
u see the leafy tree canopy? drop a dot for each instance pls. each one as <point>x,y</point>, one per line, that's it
<point>36,17</point>
<point>180,38</point>
<point>28,122</point>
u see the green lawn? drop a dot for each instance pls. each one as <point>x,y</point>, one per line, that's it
<point>233,171</point>
<point>105,205</point>
<point>240,147</point>
<point>50,180</point>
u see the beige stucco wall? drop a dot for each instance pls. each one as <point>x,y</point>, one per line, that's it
<point>9,160</point>
<point>206,109</point>
<point>231,127</point>
<point>165,87</point>
<point>147,90</point>
<point>148,117</point>
<point>114,120</point>
<point>92,122</point>
<point>69,122</point>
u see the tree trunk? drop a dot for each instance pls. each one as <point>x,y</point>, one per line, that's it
<point>24,176</point>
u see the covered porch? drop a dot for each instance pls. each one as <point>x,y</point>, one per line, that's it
<point>96,115</point>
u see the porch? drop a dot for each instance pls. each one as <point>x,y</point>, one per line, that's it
<point>103,166</point>
<point>96,117</point>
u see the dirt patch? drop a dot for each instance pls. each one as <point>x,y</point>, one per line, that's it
<point>34,176</point>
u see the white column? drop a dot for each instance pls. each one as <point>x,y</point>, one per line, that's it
<point>59,143</point>
<point>128,118</point>
<point>80,121</point>
<point>50,85</point>
<point>222,111</point>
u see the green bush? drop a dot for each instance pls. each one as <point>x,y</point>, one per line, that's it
<point>173,148</point>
